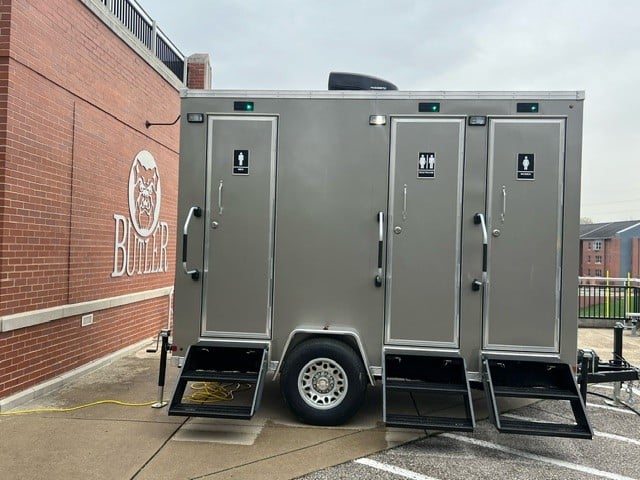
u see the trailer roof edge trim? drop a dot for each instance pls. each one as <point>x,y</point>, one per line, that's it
<point>387,94</point>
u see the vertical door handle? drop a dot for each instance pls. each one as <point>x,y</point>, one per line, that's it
<point>220,208</point>
<point>504,203</point>
<point>193,212</point>
<point>404,202</point>
<point>380,218</point>
<point>478,219</point>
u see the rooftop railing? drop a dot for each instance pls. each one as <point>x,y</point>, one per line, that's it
<point>142,26</point>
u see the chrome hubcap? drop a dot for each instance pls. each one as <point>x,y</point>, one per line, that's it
<point>322,383</point>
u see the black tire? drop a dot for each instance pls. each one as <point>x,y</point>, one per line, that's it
<point>323,381</point>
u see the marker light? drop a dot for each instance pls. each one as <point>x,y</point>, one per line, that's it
<point>377,119</point>
<point>477,120</point>
<point>429,107</point>
<point>243,106</point>
<point>195,117</point>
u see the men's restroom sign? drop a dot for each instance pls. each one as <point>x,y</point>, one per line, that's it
<point>241,162</point>
<point>426,165</point>
<point>526,166</point>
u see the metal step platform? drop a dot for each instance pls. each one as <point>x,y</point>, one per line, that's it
<point>539,379</point>
<point>419,388</point>
<point>233,375</point>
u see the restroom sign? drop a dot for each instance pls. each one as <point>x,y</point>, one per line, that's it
<point>241,162</point>
<point>526,168</point>
<point>426,165</point>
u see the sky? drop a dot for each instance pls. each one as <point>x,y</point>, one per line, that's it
<point>435,45</point>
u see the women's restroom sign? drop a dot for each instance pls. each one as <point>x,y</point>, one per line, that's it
<point>426,165</point>
<point>241,162</point>
<point>526,166</point>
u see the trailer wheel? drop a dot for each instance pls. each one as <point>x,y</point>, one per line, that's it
<point>323,381</point>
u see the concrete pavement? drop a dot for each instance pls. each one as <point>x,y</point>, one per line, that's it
<point>114,442</point>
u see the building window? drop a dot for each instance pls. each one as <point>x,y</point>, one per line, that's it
<point>598,272</point>
<point>598,258</point>
<point>597,245</point>
<point>588,258</point>
<point>588,272</point>
<point>589,246</point>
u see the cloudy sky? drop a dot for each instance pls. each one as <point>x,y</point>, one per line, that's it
<point>442,45</point>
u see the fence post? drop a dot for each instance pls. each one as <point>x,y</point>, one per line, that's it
<point>606,296</point>
<point>627,303</point>
<point>154,38</point>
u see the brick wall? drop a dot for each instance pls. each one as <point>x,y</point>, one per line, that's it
<point>597,262</point>
<point>199,71</point>
<point>611,256</point>
<point>74,99</point>
<point>635,257</point>
<point>588,265</point>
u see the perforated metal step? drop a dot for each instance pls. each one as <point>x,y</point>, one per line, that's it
<point>541,379</point>
<point>235,369</point>
<point>420,389</point>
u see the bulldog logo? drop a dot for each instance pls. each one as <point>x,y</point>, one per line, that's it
<point>144,194</point>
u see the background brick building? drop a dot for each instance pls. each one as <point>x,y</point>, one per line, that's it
<point>87,191</point>
<point>610,247</point>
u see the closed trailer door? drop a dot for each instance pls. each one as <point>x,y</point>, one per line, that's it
<point>424,220</point>
<point>524,221</point>
<point>238,253</point>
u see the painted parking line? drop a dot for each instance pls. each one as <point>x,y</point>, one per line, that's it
<point>391,469</point>
<point>537,458</point>
<point>607,407</point>
<point>635,390</point>
<point>597,433</point>
<point>619,438</point>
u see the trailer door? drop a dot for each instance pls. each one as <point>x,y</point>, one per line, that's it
<point>238,257</point>
<point>423,262</point>
<point>524,221</point>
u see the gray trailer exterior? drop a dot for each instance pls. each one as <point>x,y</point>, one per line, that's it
<point>290,242</point>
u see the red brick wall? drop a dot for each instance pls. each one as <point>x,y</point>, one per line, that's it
<point>74,99</point>
<point>611,257</point>
<point>32,355</point>
<point>199,71</point>
<point>588,265</point>
<point>635,257</point>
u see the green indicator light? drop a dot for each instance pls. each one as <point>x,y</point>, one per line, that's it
<point>528,107</point>
<point>243,106</point>
<point>429,107</point>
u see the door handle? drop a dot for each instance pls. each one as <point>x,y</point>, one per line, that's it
<point>380,217</point>
<point>193,212</point>
<point>504,204</point>
<point>404,202</point>
<point>478,219</point>
<point>220,208</point>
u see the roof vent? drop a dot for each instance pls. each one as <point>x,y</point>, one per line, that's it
<point>356,81</point>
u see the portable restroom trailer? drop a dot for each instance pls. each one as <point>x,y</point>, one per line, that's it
<point>426,239</point>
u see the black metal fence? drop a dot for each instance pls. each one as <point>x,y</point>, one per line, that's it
<point>136,20</point>
<point>607,299</point>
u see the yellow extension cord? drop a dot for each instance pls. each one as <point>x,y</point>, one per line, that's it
<point>213,392</point>
<point>204,392</point>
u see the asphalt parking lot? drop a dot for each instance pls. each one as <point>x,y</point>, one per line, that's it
<point>115,442</point>
<point>486,454</point>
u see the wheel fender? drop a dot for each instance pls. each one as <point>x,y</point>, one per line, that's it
<point>348,336</point>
